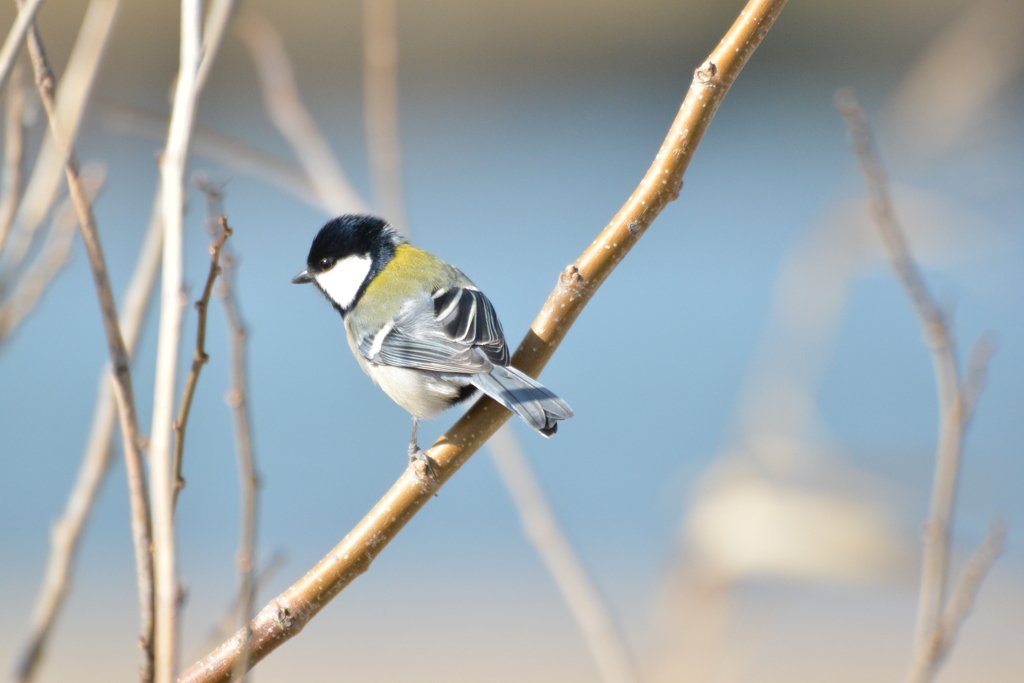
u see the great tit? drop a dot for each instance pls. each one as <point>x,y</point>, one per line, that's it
<point>418,327</point>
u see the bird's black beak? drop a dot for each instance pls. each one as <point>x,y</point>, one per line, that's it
<point>302,278</point>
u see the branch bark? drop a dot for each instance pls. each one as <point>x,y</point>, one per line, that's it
<point>287,614</point>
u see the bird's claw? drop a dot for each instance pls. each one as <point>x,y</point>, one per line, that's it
<point>415,454</point>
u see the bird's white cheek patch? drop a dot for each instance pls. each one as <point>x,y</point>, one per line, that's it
<point>343,281</point>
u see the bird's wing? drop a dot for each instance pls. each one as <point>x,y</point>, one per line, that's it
<point>467,317</point>
<point>456,331</point>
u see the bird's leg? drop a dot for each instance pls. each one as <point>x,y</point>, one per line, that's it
<point>416,454</point>
<point>414,448</point>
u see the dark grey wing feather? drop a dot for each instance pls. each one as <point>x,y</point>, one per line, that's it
<point>467,316</point>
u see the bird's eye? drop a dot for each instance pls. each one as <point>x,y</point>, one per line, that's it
<point>326,263</point>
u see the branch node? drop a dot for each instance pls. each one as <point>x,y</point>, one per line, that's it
<point>233,398</point>
<point>284,617</point>
<point>707,72</point>
<point>572,278</point>
<point>675,188</point>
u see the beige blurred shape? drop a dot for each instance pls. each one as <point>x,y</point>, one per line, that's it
<point>951,87</point>
<point>749,527</point>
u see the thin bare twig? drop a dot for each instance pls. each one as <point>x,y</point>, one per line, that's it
<point>229,622</point>
<point>227,151</point>
<point>172,197</point>
<point>248,477</point>
<point>71,98</point>
<point>606,644</point>
<point>236,398</point>
<point>960,603</point>
<point>964,593</point>
<point>214,28</point>
<point>977,373</point>
<point>287,614</point>
<point>380,86</point>
<point>9,52</point>
<point>292,119</point>
<point>95,466</point>
<point>123,391</point>
<point>54,255</point>
<point>955,405</point>
<point>14,151</point>
<point>199,358</point>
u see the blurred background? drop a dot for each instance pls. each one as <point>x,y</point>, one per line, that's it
<point>752,453</point>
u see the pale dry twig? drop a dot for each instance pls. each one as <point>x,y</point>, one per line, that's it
<point>380,105</point>
<point>131,435</point>
<point>233,154</point>
<point>14,151</point>
<point>53,256</point>
<point>214,28</point>
<point>229,621</point>
<point>955,407</point>
<point>172,197</point>
<point>248,477</point>
<point>236,398</point>
<point>606,644</point>
<point>96,461</point>
<point>15,37</point>
<point>964,593</point>
<point>71,98</point>
<point>292,119</point>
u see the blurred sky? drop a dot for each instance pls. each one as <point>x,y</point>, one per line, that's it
<point>524,128</point>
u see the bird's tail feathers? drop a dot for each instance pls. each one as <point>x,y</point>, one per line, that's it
<point>536,404</point>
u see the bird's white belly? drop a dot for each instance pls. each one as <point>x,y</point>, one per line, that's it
<point>422,393</point>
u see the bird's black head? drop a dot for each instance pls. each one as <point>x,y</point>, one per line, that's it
<point>346,254</point>
<point>351,235</point>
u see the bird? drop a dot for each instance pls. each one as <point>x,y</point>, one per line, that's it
<point>419,327</point>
